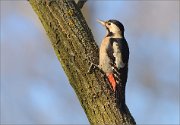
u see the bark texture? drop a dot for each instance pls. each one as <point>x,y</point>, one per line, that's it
<point>75,48</point>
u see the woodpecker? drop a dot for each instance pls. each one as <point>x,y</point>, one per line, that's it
<point>114,56</point>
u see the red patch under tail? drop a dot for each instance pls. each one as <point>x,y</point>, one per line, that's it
<point>112,80</point>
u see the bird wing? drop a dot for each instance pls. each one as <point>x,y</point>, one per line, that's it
<point>120,52</point>
<point>117,55</point>
<point>120,70</point>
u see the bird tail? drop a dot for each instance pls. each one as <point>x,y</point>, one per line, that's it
<point>121,79</point>
<point>118,79</point>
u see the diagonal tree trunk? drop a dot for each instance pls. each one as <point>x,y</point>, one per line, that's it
<point>75,48</point>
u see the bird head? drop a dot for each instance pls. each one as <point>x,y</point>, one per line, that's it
<point>114,28</point>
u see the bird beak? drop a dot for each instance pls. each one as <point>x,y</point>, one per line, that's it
<point>101,22</point>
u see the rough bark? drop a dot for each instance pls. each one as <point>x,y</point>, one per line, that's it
<point>75,48</point>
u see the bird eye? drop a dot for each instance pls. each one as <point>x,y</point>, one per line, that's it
<point>109,23</point>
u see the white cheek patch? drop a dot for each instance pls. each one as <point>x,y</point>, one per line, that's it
<point>113,28</point>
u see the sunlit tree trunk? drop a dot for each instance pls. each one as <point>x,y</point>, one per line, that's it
<point>75,48</point>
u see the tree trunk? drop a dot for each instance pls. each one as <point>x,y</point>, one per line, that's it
<point>75,48</point>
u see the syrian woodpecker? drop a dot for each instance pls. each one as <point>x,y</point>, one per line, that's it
<point>114,56</point>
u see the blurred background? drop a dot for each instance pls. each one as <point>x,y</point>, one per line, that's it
<point>35,89</point>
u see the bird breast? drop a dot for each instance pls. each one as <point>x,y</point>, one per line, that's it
<point>104,59</point>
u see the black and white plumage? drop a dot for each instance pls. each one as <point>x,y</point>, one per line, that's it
<point>114,56</point>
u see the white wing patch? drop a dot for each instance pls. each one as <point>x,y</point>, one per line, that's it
<point>117,55</point>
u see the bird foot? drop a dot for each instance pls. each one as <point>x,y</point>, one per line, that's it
<point>92,68</point>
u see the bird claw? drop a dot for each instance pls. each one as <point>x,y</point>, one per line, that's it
<point>92,68</point>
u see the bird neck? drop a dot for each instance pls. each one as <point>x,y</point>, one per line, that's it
<point>115,35</point>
